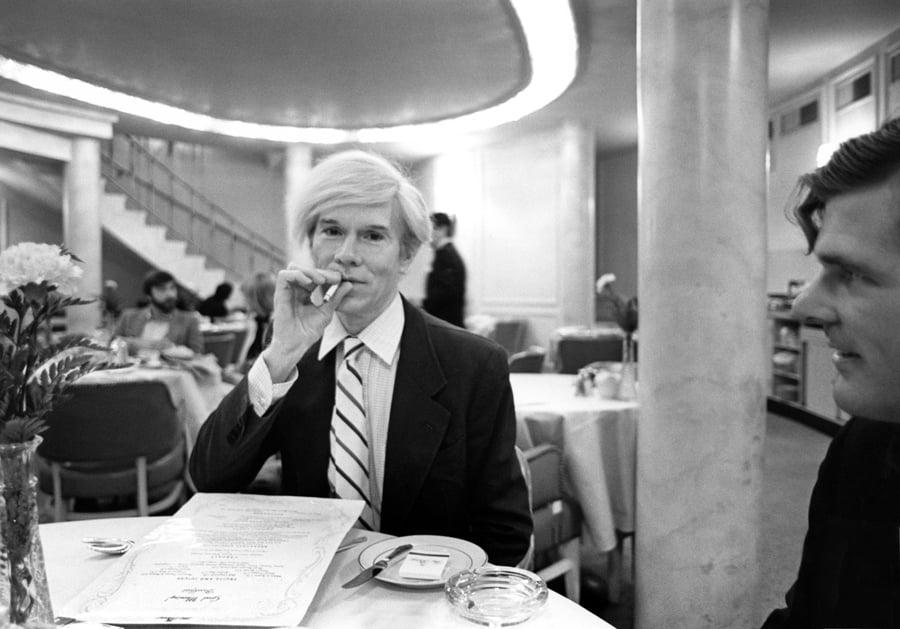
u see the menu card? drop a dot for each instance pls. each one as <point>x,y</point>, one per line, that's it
<point>223,559</point>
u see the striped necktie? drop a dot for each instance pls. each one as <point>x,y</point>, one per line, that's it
<point>349,460</point>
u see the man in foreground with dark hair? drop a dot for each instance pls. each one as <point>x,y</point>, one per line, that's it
<point>159,324</point>
<point>850,569</point>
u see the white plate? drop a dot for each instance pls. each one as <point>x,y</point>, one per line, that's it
<point>463,556</point>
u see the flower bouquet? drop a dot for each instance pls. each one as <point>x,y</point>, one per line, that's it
<point>36,282</point>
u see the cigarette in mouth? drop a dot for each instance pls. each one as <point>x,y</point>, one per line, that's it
<point>329,294</point>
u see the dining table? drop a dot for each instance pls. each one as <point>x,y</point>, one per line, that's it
<point>597,436</point>
<point>71,566</point>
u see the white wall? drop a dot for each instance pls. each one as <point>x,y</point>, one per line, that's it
<point>617,220</point>
<point>513,229</point>
<point>248,185</point>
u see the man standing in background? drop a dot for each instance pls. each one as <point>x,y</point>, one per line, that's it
<point>445,286</point>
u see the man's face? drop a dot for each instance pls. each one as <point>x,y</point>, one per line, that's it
<point>164,296</point>
<point>364,245</point>
<point>856,297</point>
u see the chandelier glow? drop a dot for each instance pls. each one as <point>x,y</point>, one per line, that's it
<point>548,27</point>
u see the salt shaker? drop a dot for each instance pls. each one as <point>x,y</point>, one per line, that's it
<point>119,349</point>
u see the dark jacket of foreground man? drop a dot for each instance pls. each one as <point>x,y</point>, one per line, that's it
<point>450,462</point>
<point>850,569</point>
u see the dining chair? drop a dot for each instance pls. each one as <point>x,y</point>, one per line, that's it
<point>557,520</point>
<point>239,347</point>
<point>510,334</point>
<point>113,450</point>
<point>530,360</point>
<point>576,352</point>
<point>221,345</point>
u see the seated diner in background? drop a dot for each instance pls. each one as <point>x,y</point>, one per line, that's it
<point>216,305</point>
<point>159,325</point>
<point>421,426</point>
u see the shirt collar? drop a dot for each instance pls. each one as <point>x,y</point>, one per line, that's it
<point>381,337</point>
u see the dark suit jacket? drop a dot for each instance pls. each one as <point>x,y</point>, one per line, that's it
<point>445,286</point>
<point>850,569</point>
<point>450,464</point>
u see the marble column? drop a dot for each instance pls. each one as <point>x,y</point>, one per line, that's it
<point>702,67</point>
<point>298,160</point>
<point>576,235</point>
<point>82,230</point>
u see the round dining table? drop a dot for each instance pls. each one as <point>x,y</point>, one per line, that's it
<point>71,565</point>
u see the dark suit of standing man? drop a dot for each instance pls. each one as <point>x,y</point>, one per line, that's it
<point>445,286</point>
<point>849,572</point>
<point>442,460</point>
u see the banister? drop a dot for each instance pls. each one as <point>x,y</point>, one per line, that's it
<point>134,175</point>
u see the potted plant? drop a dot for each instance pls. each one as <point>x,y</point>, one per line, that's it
<point>36,284</point>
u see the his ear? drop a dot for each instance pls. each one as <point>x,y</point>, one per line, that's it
<point>406,258</point>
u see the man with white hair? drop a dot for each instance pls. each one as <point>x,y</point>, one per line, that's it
<point>364,395</point>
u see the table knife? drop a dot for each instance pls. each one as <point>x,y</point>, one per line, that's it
<point>377,567</point>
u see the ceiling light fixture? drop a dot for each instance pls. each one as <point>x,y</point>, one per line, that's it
<point>549,32</point>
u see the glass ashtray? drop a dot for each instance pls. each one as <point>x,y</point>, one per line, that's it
<point>496,596</point>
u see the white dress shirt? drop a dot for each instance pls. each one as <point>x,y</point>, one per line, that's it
<point>379,366</point>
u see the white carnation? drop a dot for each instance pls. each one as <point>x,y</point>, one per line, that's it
<point>31,262</point>
<point>606,278</point>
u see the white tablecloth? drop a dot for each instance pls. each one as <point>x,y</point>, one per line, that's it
<point>71,566</point>
<point>598,440</point>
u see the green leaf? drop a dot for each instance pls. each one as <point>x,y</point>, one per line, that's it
<point>21,429</point>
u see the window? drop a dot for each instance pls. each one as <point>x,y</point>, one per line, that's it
<point>799,117</point>
<point>853,90</point>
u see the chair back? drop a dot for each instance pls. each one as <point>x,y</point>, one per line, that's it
<point>239,349</point>
<point>574,353</point>
<point>555,542</point>
<point>510,334</point>
<point>530,360</point>
<point>221,345</point>
<point>112,423</point>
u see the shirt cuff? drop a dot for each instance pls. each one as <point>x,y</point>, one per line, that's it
<point>262,391</point>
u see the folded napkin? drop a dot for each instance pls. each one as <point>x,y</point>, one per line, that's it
<point>202,366</point>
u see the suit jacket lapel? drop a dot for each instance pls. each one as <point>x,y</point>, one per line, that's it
<point>417,423</point>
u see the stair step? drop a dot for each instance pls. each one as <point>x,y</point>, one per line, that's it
<point>151,242</point>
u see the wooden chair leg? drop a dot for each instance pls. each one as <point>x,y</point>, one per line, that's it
<point>571,550</point>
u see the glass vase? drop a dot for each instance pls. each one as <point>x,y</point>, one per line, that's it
<point>24,581</point>
<point>628,383</point>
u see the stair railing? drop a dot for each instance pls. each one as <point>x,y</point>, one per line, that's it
<point>185,212</point>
